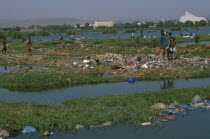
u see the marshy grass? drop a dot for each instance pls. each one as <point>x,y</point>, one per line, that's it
<point>67,77</point>
<point>133,108</point>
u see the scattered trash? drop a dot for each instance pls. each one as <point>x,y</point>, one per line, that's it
<point>28,129</point>
<point>171,117</point>
<point>79,126</point>
<point>95,126</point>
<point>106,74</point>
<point>144,66</point>
<point>162,114</point>
<point>206,101</point>
<point>76,63</point>
<point>207,106</point>
<point>164,120</point>
<point>109,60</point>
<point>196,99</point>
<point>86,62</point>
<point>158,106</point>
<point>19,66</point>
<point>184,106</point>
<point>146,123</point>
<point>107,124</point>
<point>197,105</point>
<point>47,133</point>
<point>3,133</point>
<point>132,80</point>
<point>173,105</point>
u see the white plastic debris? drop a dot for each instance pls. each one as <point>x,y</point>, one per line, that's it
<point>76,63</point>
<point>146,123</point>
<point>79,126</point>
<point>145,66</point>
<point>196,99</point>
<point>86,61</point>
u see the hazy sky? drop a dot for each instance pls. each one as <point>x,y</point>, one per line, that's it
<point>102,9</point>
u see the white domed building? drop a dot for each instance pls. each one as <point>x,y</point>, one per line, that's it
<point>189,16</point>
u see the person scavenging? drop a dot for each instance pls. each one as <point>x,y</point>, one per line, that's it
<point>171,47</point>
<point>163,44</point>
<point>29,44</point>
<point>4,49</point>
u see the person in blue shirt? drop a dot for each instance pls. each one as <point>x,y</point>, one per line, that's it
<point>163,44</point>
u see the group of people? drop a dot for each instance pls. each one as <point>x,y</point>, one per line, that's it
<point>168,45</point>
<point>29,44</point>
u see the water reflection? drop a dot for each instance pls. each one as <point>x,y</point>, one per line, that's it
<point>6,68</point>
<point>167,84</point>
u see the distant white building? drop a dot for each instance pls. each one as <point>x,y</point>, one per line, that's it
<point>189,16</point>
<point>106,24</point>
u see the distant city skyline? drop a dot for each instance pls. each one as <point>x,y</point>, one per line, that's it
<point>146,10</point>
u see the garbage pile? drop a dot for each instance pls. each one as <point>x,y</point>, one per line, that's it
<point>3,133</point>
<point>169,111</point>
<point>135,62</point>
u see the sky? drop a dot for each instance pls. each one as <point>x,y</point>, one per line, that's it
<point>102,9</point>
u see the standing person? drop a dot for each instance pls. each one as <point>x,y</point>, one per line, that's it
<point>172,44</point>
<point>29,44</point>
<point>4,45</point>
<point>163,44</point>
<point>132,35</point>
<point>61,37</point>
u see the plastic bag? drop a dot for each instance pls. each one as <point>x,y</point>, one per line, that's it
<point>196,99</point>
<point>3,133</point>
<point>184,106</point>
<point>132,80</point>
<point>28,129</point>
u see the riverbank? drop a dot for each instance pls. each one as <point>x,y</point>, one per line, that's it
<point>134,108</point>
<point>118,57</point>
<point>37,79</point>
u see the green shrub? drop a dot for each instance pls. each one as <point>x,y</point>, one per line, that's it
<point>71,32</point>
<point>130,31</point>
<point>109,31</point>
<point>2,34</point>
<point>43,33</point>
<point>197,38</point>
<point>176,29</point>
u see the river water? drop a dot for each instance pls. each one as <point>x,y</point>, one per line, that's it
<point>7,69</point>
<point>120,34</point>
<point>60,95</point>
